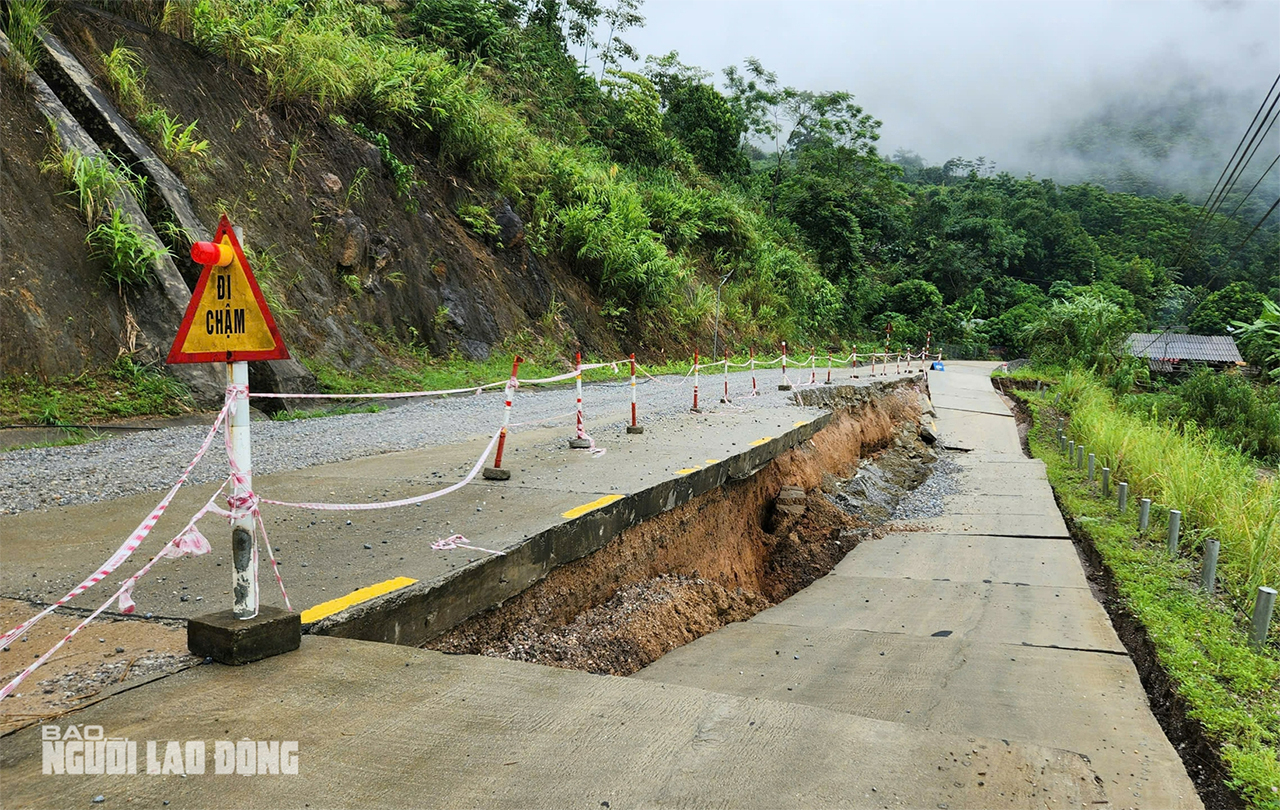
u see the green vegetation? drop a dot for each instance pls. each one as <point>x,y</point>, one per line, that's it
<point>97,181</point>
<point>178,144</point>
<point>1260,341</point>
<point>1200,640</point>
<point>128,255</point>
<point>401,172</point>
<point>21,20</point>
<point>124,389</point>
<point>1215,485</point>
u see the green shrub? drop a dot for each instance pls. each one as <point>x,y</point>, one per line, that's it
<point>95,180</point>
<point>128,254</point>
<point>125,72</point>
<point>1086,329</point>
<point>1232,408</point>
<point>1237,301</point>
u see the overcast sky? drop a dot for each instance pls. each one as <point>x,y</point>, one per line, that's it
<point>981,77</point>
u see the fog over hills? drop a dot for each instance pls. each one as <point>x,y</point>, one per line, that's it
<point>1149,96</point>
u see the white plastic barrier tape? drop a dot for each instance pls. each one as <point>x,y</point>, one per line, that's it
<point>139,534</point>
<point>458,541</point>
<point>181,544</point>
<point>352,507</point>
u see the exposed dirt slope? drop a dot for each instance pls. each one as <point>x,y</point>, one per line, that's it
<point>56,314</point>
<point>346,257</point>
<point>720,558</point>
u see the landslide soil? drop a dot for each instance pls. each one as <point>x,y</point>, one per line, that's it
<point>721,558</point>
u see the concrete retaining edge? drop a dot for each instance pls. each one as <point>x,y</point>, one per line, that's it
<point>419,613</point>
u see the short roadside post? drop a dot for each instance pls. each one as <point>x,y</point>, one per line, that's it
<point>785,385</point>
<point>725,398</point>
<point>1144,515</point>
<point>227,321</point>
<point>1209,568</point>
<point>634,427</point>
<point>1175,525</point>
<point>1123,489</point>
<point>1106,482</point>
<point>1092,461</point>
<point>1264,605</point>
<point>580,440</point>
<point>496,473</point>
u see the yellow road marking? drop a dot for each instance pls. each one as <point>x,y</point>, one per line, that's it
<point>759,442</point>
<point>687,470</point>
<point>713,461</point>
<point>320,611</point>
<point>578,511</point>
<point>801,422</point>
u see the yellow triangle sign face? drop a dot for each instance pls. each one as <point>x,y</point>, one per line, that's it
<point>227,319</point>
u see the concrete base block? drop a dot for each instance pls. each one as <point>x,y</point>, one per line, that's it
<point>695,410</point>
<point>635,429</point>
<point>495,474</point>
<point>724,401</point>
<point>783,387</point>
<point>228,640</point>
<point>579,444</point>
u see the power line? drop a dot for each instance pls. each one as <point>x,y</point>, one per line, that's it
<point>1186,245</point>
<point>1220,227</point>
<point>1244,241</point>
<point>1247,158</point>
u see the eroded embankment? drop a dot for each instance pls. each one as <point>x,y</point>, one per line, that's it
<point>723,557</point>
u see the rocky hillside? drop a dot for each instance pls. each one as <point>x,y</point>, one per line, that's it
<point>352,265</point>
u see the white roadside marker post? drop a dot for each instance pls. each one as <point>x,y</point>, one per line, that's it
<point>244,552</point>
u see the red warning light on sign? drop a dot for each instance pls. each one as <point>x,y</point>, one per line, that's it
<point>227,319</point>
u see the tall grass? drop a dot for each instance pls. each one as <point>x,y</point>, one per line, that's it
<point>21,20</point>
<point>1216,487</point>
<point>641,233</point>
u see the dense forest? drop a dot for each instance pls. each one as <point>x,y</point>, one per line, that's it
<point>647,178</point>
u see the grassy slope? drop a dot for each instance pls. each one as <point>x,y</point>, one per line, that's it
<point>1200,641</point>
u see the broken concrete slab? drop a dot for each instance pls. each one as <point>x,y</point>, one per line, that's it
<point>387,726</point>
<point>1043,616</point>
<point>1088,702</point>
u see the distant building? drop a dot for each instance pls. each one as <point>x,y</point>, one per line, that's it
<point>1170,352</point>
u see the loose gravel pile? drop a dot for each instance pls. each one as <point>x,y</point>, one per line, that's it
<point>925,501</point>
<point>150,462</point>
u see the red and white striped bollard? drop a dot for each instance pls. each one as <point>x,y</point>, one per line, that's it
<point>634,427</point>
<point>496,473</point>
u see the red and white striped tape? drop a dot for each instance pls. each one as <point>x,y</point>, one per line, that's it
<point>135,538</point>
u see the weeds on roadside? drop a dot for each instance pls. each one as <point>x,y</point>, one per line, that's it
<point>128,253</point>
<point>123,389</point>
<point>1228,687</point>
<point>95,180</point>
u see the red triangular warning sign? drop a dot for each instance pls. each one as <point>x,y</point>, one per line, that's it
<point>227,319</point>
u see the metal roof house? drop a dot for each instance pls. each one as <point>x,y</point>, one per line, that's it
<point>1170,352</point>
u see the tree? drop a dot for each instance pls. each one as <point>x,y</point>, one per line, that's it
<point>1237,301</point>
<point>623,15</point>
<point>699,116</point>
<point>913,297</point>
<point>1087,329</point>
<point>633,120</point>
